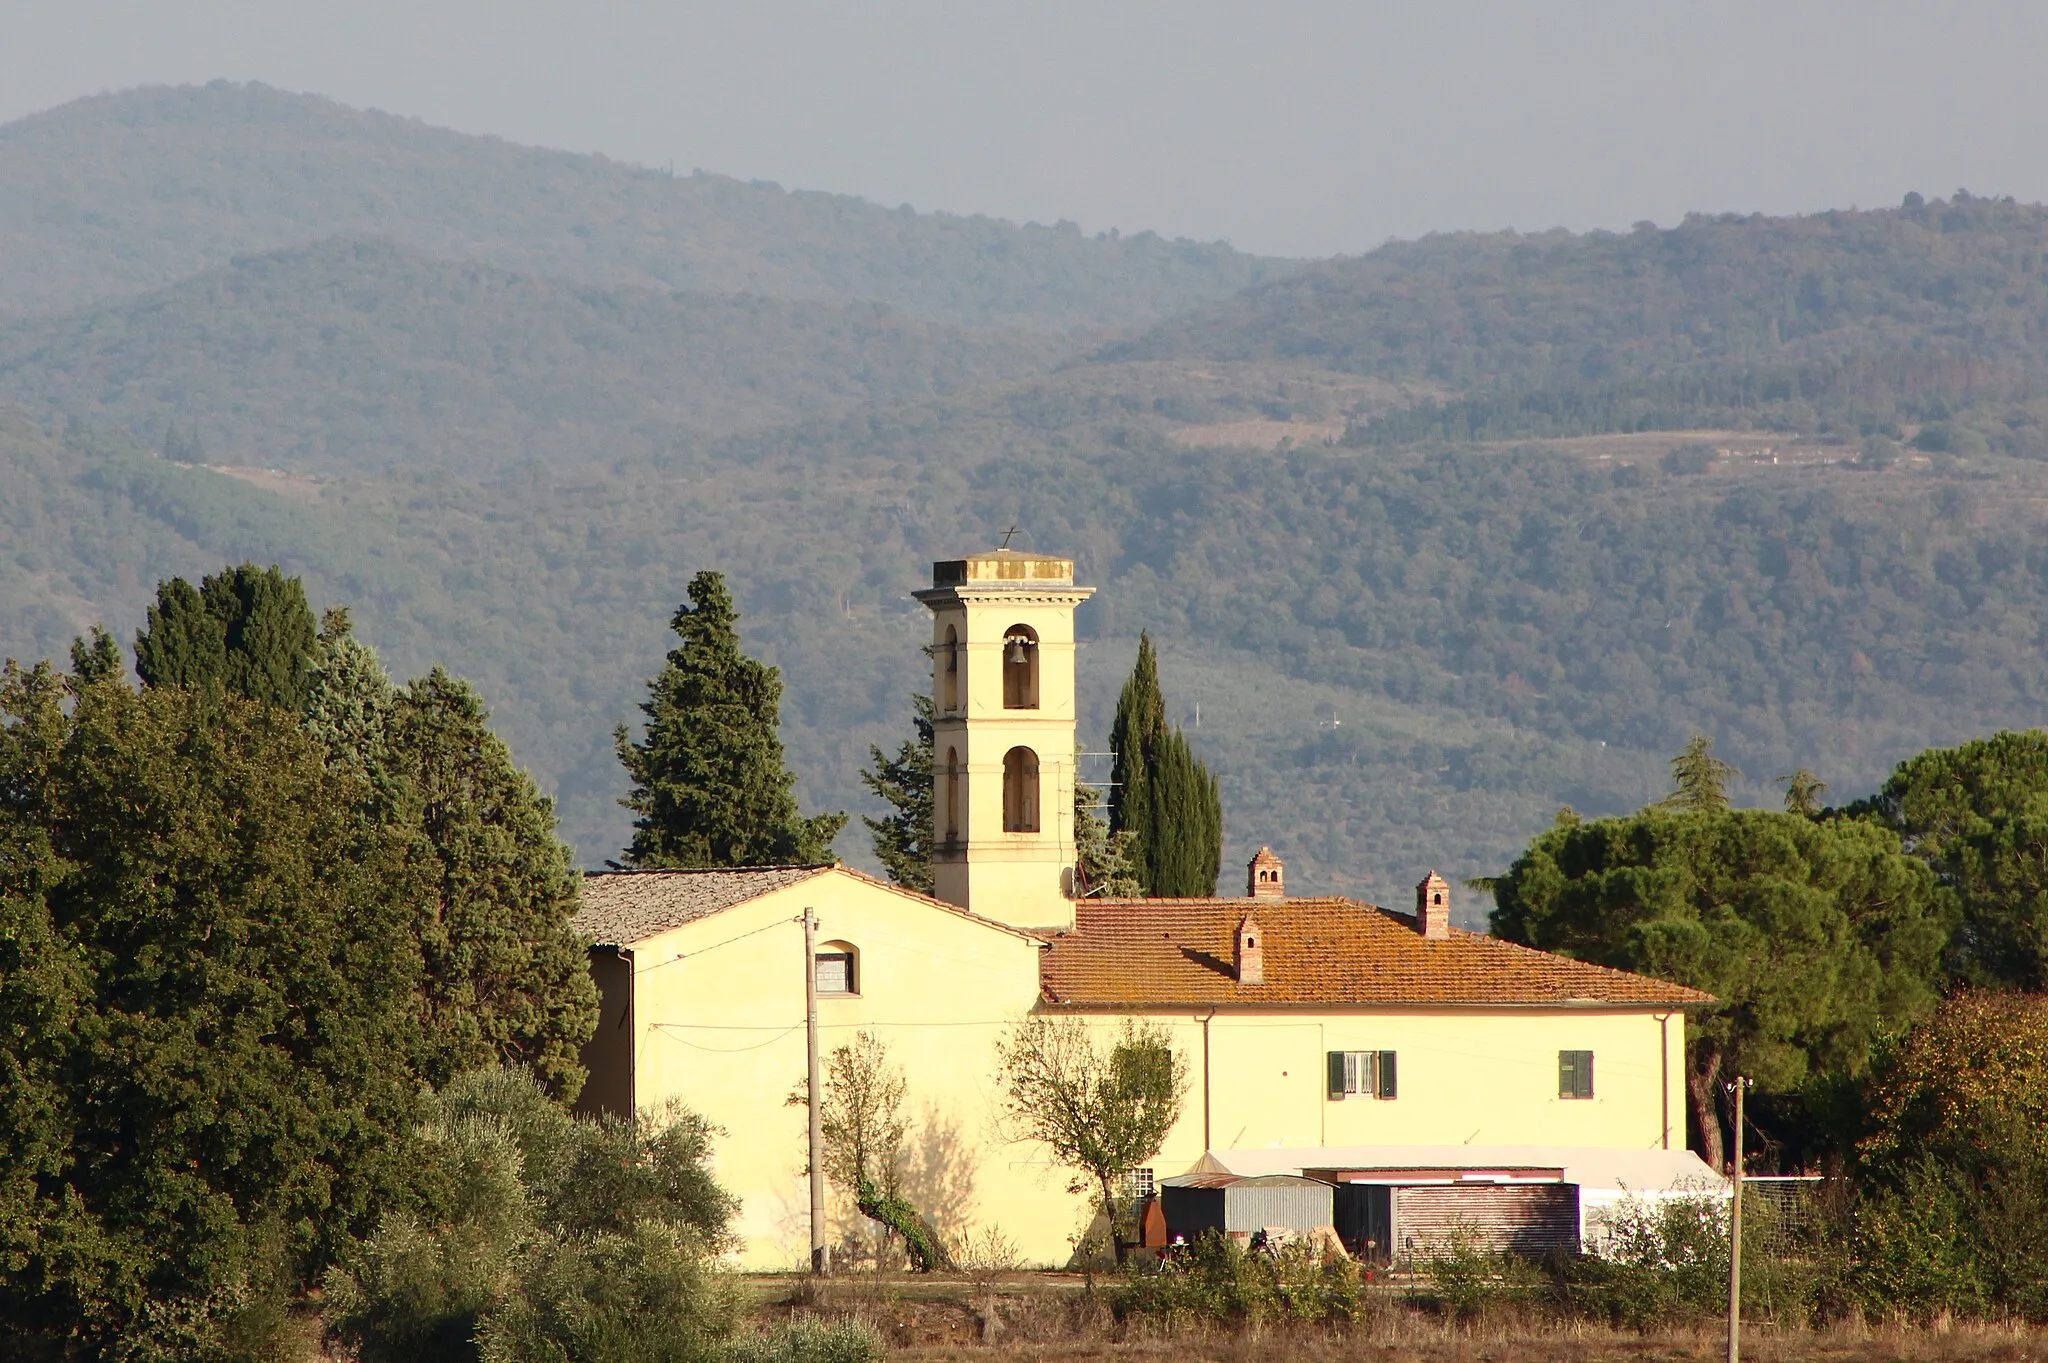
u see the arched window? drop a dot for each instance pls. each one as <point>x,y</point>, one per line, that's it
<point>838,968</point>
<point>1020,668</point>
<point>1020,791</point>
<point>949,671</point>
<point>949,794</point>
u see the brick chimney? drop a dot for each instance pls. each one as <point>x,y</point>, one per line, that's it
<point>1265,877</point>
<point>1251,952</point>
<point>1433,907</point>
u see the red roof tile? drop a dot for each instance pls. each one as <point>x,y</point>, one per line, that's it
<point>1318,952</point>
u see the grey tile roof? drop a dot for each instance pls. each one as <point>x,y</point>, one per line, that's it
<point>622,907</point>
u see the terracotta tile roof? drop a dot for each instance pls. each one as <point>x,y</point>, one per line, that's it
<point>622,907</point>
<point>1328,952</point>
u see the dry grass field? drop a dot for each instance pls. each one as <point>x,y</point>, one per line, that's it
<point>1058,1318</point>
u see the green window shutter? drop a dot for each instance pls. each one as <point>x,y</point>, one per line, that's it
<point>1338,1061</point>
<point>1575,1074</point>
<point>1387,1087</point>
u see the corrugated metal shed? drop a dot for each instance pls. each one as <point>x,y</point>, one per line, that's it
<point>1194,1203</point>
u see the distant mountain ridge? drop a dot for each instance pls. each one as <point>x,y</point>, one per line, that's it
<point>1838,324</point>
<point>116,194</point>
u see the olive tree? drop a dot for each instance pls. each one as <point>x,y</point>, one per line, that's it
<point>1104,1105</point>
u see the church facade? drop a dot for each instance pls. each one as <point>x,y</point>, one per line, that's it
<point>1306,1022</point>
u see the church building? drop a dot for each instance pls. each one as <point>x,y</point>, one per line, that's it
<point>1310,1024</point>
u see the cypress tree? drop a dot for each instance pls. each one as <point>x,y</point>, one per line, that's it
<point>182,642</point>
<point>1140,720</point>
<point>246,631</point>
<point>903,839</point>
<point>1164,800</point>
<point>271,637</point>
<point>505,976</point>
<point>710,784</point>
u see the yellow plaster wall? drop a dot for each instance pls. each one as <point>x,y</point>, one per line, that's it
<point>722,1029</point>
<point>1466,1077</point>
<point>719,1015</point>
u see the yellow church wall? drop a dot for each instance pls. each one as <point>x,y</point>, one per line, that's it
<point>719,1013</point>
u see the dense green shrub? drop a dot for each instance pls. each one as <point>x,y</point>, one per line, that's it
<point>646,1295</point>
<point>1216,1279</point>
<point>543,1236</point>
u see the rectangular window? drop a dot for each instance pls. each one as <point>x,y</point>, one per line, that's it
<point>1362,1074</point>
<point>1139,1184</point>
<point>1575,1074</point>
<point>835,972</point>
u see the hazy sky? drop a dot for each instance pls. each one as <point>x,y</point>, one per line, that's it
<point>1298,128</point>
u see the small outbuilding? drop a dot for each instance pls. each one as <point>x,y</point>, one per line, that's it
<point>1244,1205</point>
<point>1404,1202</point>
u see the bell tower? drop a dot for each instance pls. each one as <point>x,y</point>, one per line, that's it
<point>1003,735</point>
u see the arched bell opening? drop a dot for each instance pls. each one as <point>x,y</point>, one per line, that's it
<point>1020,668</point>
<point>1020,791</point>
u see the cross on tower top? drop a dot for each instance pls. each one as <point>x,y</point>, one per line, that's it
<point>1006,535</point>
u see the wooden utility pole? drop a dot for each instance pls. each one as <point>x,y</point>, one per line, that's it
<point>821,1253</point>
<point>1735,1234</point>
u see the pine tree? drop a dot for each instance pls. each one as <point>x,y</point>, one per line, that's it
<point>1164,800</point>
<point>903,840</point>
<point>710,784</point>
<point>246,631</point>
<point>504,977</point>
<point>1805,793</point>
<point>271,636</point>
<point>1700,777</point>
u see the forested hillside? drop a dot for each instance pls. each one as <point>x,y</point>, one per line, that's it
<point>1836,324</point>
<point>359,354</point>
<point>131,191</point>
<point>1401,661</point>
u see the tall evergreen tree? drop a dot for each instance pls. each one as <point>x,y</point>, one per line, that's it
<point>1701,779</point>
<point>710,783</point>
<point>903,839</point>
<point>96,657</point>
<point>1163,799</point>
<point>1140,719</point>
<point>246,631</point>
<point>505,977</point>
<point>182,642</point>
<point>349,699</point>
